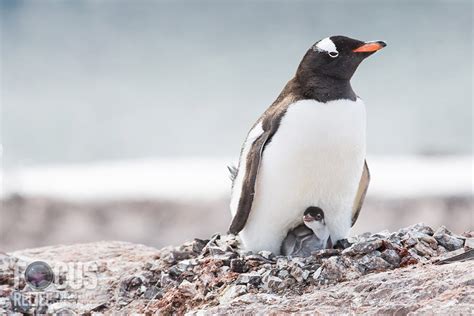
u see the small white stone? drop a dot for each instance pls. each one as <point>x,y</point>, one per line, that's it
<point>317,273</point>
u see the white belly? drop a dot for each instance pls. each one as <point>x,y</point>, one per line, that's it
<point>314,159</point>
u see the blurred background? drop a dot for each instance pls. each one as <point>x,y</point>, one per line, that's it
<point>119,117</point>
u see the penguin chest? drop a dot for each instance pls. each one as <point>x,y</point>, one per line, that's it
<point>315,158</point>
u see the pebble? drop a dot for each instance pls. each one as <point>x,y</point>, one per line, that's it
<point>317,273</point>
<point>363,248</point>
<point>153,292</point>
<point>282,263</point>
<point>273,283</point>
<point>238,265</point>
<point>445,238</point>
<point>188,288</point>
<point>231,292</point>
<point>283,273</point>
<point>198,245</point>
<point>420,228</point>
<point>166,281</point>
<point>469,243</point>
<point>266,254</point>
<point>249,278</point>
<point>425,250</point>
<point>392,257</point>
<point>186,264</point>
<point>332,269</point>
<point>373,262</point>
<point>297,273</point>
<point>326,253</point>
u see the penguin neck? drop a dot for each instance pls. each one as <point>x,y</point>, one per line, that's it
<point>324,88</point>
<point>319,229</point>
<point>322,235</point>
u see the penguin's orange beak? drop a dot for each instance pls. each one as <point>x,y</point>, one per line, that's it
<point>370,47</point>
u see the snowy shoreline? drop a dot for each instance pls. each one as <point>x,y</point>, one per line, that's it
<point>207,178</point>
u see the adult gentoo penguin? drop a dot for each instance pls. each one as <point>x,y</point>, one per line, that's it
<point>308,148</point>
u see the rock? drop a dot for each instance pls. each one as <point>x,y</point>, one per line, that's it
<point>381,235</point>
<point>283,274</point>
<point>185,265</point>
<point>282,263</point>
<point>444,237</point>
<point>188,288</point>
<point>264,267</point>
<point>214,250</point>
<point>249,278</point>
<point>238,265</point>
<point>363,248</point>
<point>342,244</point>
<point>131,284</point>
<point>215,277</point>
<point>326,253</point>
<point>272,283</point>
<point>417,228</point>
<point>232,292</point>
<point>394,244</point>
<point>174,272</point>
<point>392,257</point>
<point>431,241</point>
<point>409,240</point>
<point>166,281</point>
<point>257,257</point>
<point>359,238</point>
<point>266,254</point>
<point>297,273</point>
<point>332,269</point>
<point>425,250</point>
<point>317,273</point>
<point>180,255</point>
<point>461,254</point>
<point>410,258</point>
<point>198,245</point>
<point>306,274</point>
<point>441,250</point>
<point>373,262</point>
<point>469,243</point>
<point>153,292</point>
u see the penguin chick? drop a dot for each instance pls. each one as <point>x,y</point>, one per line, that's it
<point>313,218</point>
<point>313,235</point>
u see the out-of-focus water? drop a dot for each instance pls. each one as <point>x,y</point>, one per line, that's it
<point>101,80</point>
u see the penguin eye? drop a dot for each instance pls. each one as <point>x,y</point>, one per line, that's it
<point>318,217</point>
<point>333,54</point>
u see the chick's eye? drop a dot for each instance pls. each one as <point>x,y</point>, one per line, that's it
<point>318,217</point>
<point>333,54</point>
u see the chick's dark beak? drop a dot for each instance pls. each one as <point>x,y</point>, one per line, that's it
<point>370,47</point>
<point>308,218</point>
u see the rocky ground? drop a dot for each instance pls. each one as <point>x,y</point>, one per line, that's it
<point>416,269</point>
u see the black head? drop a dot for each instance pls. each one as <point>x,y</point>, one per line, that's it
<point>313,213</point>
<point>337,57</point>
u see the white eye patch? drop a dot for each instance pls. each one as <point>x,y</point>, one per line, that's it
<point>328,46</point>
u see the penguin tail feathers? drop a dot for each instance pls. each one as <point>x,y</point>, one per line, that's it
<point>232,172</point>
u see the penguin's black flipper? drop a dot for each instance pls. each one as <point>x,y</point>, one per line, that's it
<point>270,122</point>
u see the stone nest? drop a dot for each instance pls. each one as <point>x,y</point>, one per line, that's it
<point>215,271</point>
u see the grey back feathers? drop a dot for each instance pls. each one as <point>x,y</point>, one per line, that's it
<point>301,242</point>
